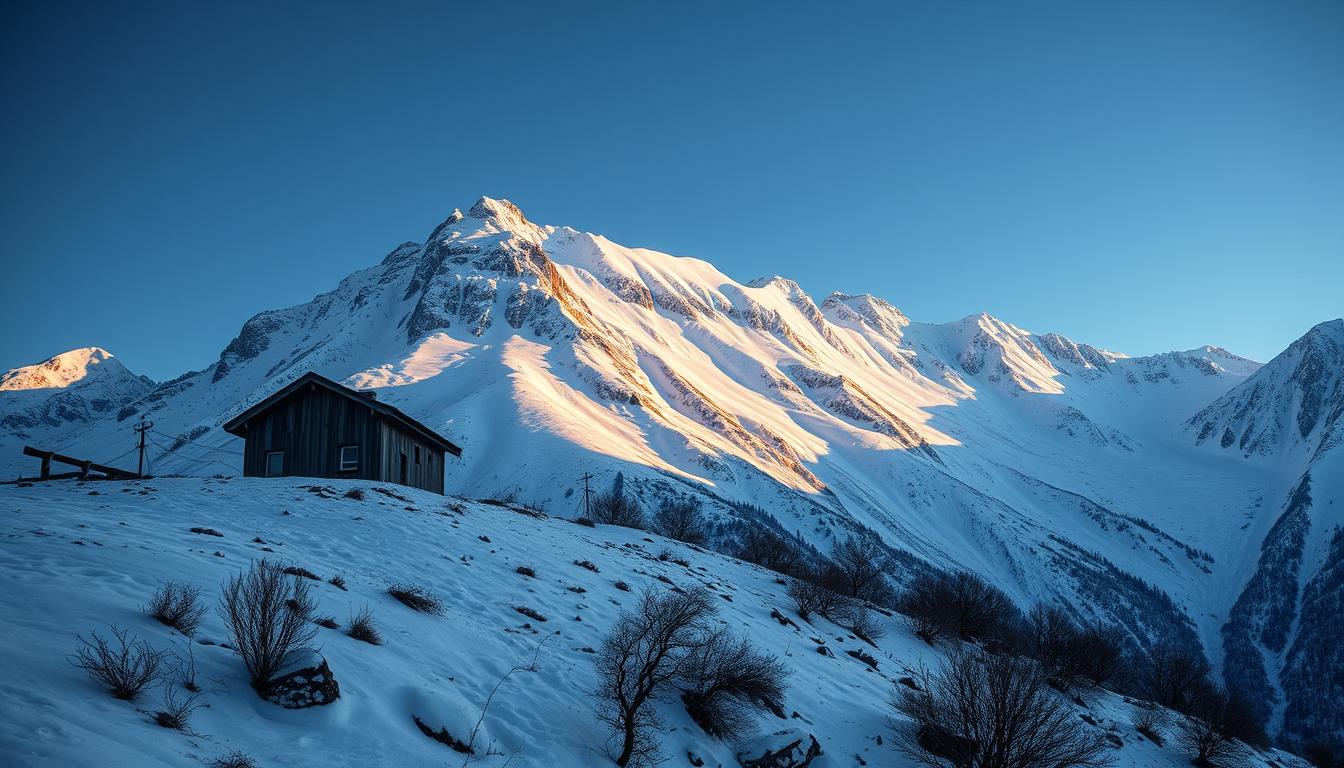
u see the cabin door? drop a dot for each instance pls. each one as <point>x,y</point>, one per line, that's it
<point>402,473</point>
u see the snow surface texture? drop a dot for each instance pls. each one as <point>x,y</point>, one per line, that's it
<point>76,557</point>
<point>1060,471</point>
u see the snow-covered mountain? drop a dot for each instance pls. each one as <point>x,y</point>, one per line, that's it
<point>1060,470</point>
<point>1282,635</point>
<point>48,401</point>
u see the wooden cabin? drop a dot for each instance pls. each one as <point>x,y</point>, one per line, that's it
<point>315,427</point>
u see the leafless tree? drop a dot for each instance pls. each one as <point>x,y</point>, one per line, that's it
<point>861,565</point>
<point>126,667</point>
<point>1176,678</point>
<point>1101,653</point>
<point>648,648</point>
<point>809,597</point>
<point>771,550</point>
<point>681,519</point>
<point>1051,636</point>
<point>981,710</point>
<point>268,615</point>
<point>960,604</point>
<point>727,678</point>
<point>1210,731</point>
<point>615,507</point>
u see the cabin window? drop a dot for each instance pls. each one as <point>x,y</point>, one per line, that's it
<point>275,463</point>
<point>417,454</point>
<point>349,458</point>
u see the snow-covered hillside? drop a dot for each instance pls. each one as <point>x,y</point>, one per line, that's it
<point>1282,636</point>
<point>46,402</point>
<point>78,557</point>
<point>1059,470</point>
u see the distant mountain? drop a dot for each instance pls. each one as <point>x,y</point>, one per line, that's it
<point>47,401</point>
<point>1294,405</point>
<point>1282,635</point>
<point>1058,469</point>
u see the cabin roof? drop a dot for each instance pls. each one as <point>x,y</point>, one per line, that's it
<point>237,425</point>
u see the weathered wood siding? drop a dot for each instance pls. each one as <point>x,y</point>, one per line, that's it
<point>310,426</point>
<point>395,443</point>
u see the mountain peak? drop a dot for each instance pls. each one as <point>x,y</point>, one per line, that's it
<point>501,211</point>
<point>58,371</point>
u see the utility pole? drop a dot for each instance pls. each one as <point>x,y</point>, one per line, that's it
<point>142,428</point>
<point>587,494</point>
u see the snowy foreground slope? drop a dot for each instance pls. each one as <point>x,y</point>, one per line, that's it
<point>76,557</point>
<point>1060,471</point>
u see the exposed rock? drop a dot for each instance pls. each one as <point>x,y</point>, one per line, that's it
<point>311,685</point>
<point>796,750</point>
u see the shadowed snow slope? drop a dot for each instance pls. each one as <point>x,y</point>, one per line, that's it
<point>76,557</point>
<point>1059,470</point>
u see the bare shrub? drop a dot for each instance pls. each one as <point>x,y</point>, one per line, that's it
<point>1176,678</point>
<point>1051,636</point>
<point>268,615</point>
<point>960,604</point>
<point>355,493</point>
<point>861,563</point>
<point>727,679</point>
<point>810,597</point>
<point>993,711</point>
<point>416,598</point>
<point>126,668</point>
<point>588,564</point>
<point>1100,653</point>
<point>681,519</point>
<point>856,617</point>
<point>186,670</point>
<point>524,570</point>
<point>235,760</point>
<point>1209,732</point>
<point>621,585</point>
<point>178,606</point>
<point>327,622</point>
<point>361,627</point>
<point>616,508</point>
<point>771,550</point>
<point>177,709</point>
<point>337,581</point>
<point>647,648</point>
<point>1151,721</point>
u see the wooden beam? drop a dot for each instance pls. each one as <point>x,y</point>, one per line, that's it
<point>84,464</point>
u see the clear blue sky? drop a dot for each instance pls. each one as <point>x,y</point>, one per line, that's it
<point>1143,176</point>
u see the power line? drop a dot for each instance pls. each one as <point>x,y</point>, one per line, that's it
<point>237,452</point>
<point>170,452</point>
